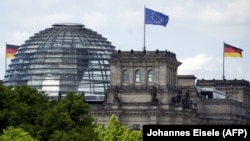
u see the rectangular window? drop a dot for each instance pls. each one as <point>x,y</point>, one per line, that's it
<point>150,76</point>
<point>138,76</point>
<point>125,76</point>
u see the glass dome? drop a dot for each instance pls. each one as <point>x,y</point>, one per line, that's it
<point>64,58</point>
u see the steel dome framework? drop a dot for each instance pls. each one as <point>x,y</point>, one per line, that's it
<point>66,57</point>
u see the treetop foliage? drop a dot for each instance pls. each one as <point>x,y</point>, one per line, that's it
<point>29,114</point>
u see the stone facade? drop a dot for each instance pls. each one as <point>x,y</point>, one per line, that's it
<point>234,109</point>
<point>145,89</point>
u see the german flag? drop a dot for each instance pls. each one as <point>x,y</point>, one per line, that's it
<point>11,50</point>
<point>231,51</point>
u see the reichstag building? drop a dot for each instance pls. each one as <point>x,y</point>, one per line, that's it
<point>139,87</point>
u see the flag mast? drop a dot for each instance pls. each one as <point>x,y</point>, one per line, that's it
<point>223,69</point>
<point>5,57</point>
<point>144,28</point>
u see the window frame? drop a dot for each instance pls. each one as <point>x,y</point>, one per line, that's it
<point>125,76</point>
<point>151,75</point>
<point>138,76</point>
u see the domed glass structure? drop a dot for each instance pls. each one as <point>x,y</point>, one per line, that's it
<point>63,58</point>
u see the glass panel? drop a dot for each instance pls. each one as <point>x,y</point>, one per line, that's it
<point>137,76</point>
<point>150,76</point>
<point>125,76</point>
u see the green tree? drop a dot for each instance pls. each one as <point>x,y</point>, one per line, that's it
<point>22,107</point>
<point>69,119</point>
<point>117,132</point>
<point>25,107</point>
<point>15,134</point>
<point>6,102</point>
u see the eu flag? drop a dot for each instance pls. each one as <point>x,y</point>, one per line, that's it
<point>155,18</point>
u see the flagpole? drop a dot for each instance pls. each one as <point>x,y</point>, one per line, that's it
<point>5,57</point>
<point>223,70</point>
<point>144,28</point>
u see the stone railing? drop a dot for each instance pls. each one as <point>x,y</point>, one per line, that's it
<point>149,54</point>
<point>222,107</point>
<point>223,82</point>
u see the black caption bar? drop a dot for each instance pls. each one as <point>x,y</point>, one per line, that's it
<point>215,132</point>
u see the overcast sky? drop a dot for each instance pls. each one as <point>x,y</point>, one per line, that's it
<point>195,32</point>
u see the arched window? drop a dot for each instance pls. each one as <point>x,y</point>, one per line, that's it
<point>150,76</point>
<point>125,76</point>
<point>137,76</point>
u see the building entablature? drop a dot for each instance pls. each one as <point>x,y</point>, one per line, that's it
<point>215,82</point>
<point>149,56</point>
<point>144,52</point>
